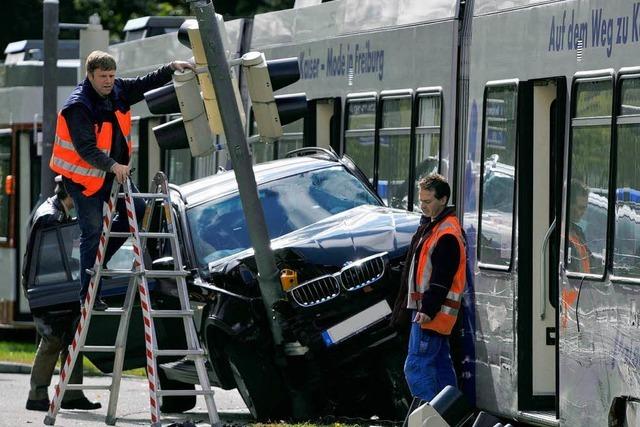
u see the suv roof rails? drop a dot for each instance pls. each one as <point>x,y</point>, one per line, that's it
<point>305,151</point>
<point>176,188</point>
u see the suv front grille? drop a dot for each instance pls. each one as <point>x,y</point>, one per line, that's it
<point>352,277</point>
<point>316,291</point>
<point>363,272</point>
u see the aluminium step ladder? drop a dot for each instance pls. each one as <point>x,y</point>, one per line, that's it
<point>137,282</point>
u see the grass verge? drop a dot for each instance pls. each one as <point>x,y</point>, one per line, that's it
<point>21,352</point>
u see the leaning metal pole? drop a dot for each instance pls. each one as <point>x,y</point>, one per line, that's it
<point>238,150</point>
<point>49,93</point>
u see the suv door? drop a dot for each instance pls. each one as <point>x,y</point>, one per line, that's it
<point>54,270</point>
<point>53,283</point>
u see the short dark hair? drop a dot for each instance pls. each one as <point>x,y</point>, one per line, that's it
<point>100,60</point>
<point>436,183</point>
<point>578,189</point>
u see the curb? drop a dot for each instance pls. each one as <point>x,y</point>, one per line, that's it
<point>15,368</point>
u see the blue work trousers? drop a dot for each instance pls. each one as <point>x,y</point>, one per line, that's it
<point>90,214</point>
<point>428,368</point>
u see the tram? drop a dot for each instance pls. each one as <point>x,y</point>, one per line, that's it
<point>531,109</point>
<point>552,131</point>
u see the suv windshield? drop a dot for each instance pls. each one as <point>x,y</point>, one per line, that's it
<point>218,227</point>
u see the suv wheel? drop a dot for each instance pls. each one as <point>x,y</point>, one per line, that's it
<point>258,382</point>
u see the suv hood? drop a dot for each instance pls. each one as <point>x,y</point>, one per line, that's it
<point>349,235</point>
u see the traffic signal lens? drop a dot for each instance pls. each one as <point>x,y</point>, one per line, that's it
<point>163,100</point>
<point>171,135</point>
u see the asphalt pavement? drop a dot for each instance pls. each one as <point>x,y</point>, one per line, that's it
<point>133,404</point>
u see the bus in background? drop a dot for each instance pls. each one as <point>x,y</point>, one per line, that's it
<point>20,157</point>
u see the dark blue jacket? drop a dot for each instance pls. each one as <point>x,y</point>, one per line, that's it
<point>85,109</point>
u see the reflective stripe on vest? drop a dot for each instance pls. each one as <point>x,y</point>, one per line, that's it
<point>445,319</point>
<point>68,145</point>
<point>66,161</point>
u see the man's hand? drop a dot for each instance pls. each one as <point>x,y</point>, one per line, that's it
<point>121,172</point>
<point>182,65</point>
<point>421,318</point>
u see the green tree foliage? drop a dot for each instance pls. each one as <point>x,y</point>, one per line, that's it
<point>22,19</point>
<point>114,14</point>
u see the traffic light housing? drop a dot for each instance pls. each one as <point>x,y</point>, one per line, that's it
<point>192,129</point>
<point>189,36</point>
<point>201,119</point>
<point>263,78</point>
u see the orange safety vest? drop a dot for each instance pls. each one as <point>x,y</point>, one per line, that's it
<point>583,252</point>
<point>66,161</point>
<point>445,319</point>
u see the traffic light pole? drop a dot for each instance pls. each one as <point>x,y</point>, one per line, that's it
<point>49,94</point>
<point>238,150</point>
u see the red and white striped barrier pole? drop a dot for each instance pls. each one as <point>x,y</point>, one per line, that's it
<point>145,303</point>
<point>83,324</point>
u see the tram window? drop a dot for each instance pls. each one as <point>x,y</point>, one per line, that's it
<point>359,140</point>
<point>498,176</point>
<point>50,268</point>
<point>427,139</point>
<point>35,161</point>
<point>626,241</point>
<point>395,139</point>
<point>292,138</point>
<point>589,177</point>
<point>5,170</point>
<point>206,165</point>
<point>179,165</point>
<point>263,151</point>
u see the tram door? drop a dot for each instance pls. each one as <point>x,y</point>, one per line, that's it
<point>539,185</point>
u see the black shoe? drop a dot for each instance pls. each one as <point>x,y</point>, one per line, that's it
<point>38,405</point>
<point>100,305</point>
<point>82,403</point>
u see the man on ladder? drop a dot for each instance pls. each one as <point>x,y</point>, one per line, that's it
<point>138,283</point>
<point>93,145</point>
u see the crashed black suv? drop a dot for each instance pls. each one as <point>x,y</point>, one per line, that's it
<point>329,227</point>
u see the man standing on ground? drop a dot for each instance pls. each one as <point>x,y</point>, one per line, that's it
<point>435,277</point>
<point>55,327</point>
<point>93,146</point>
